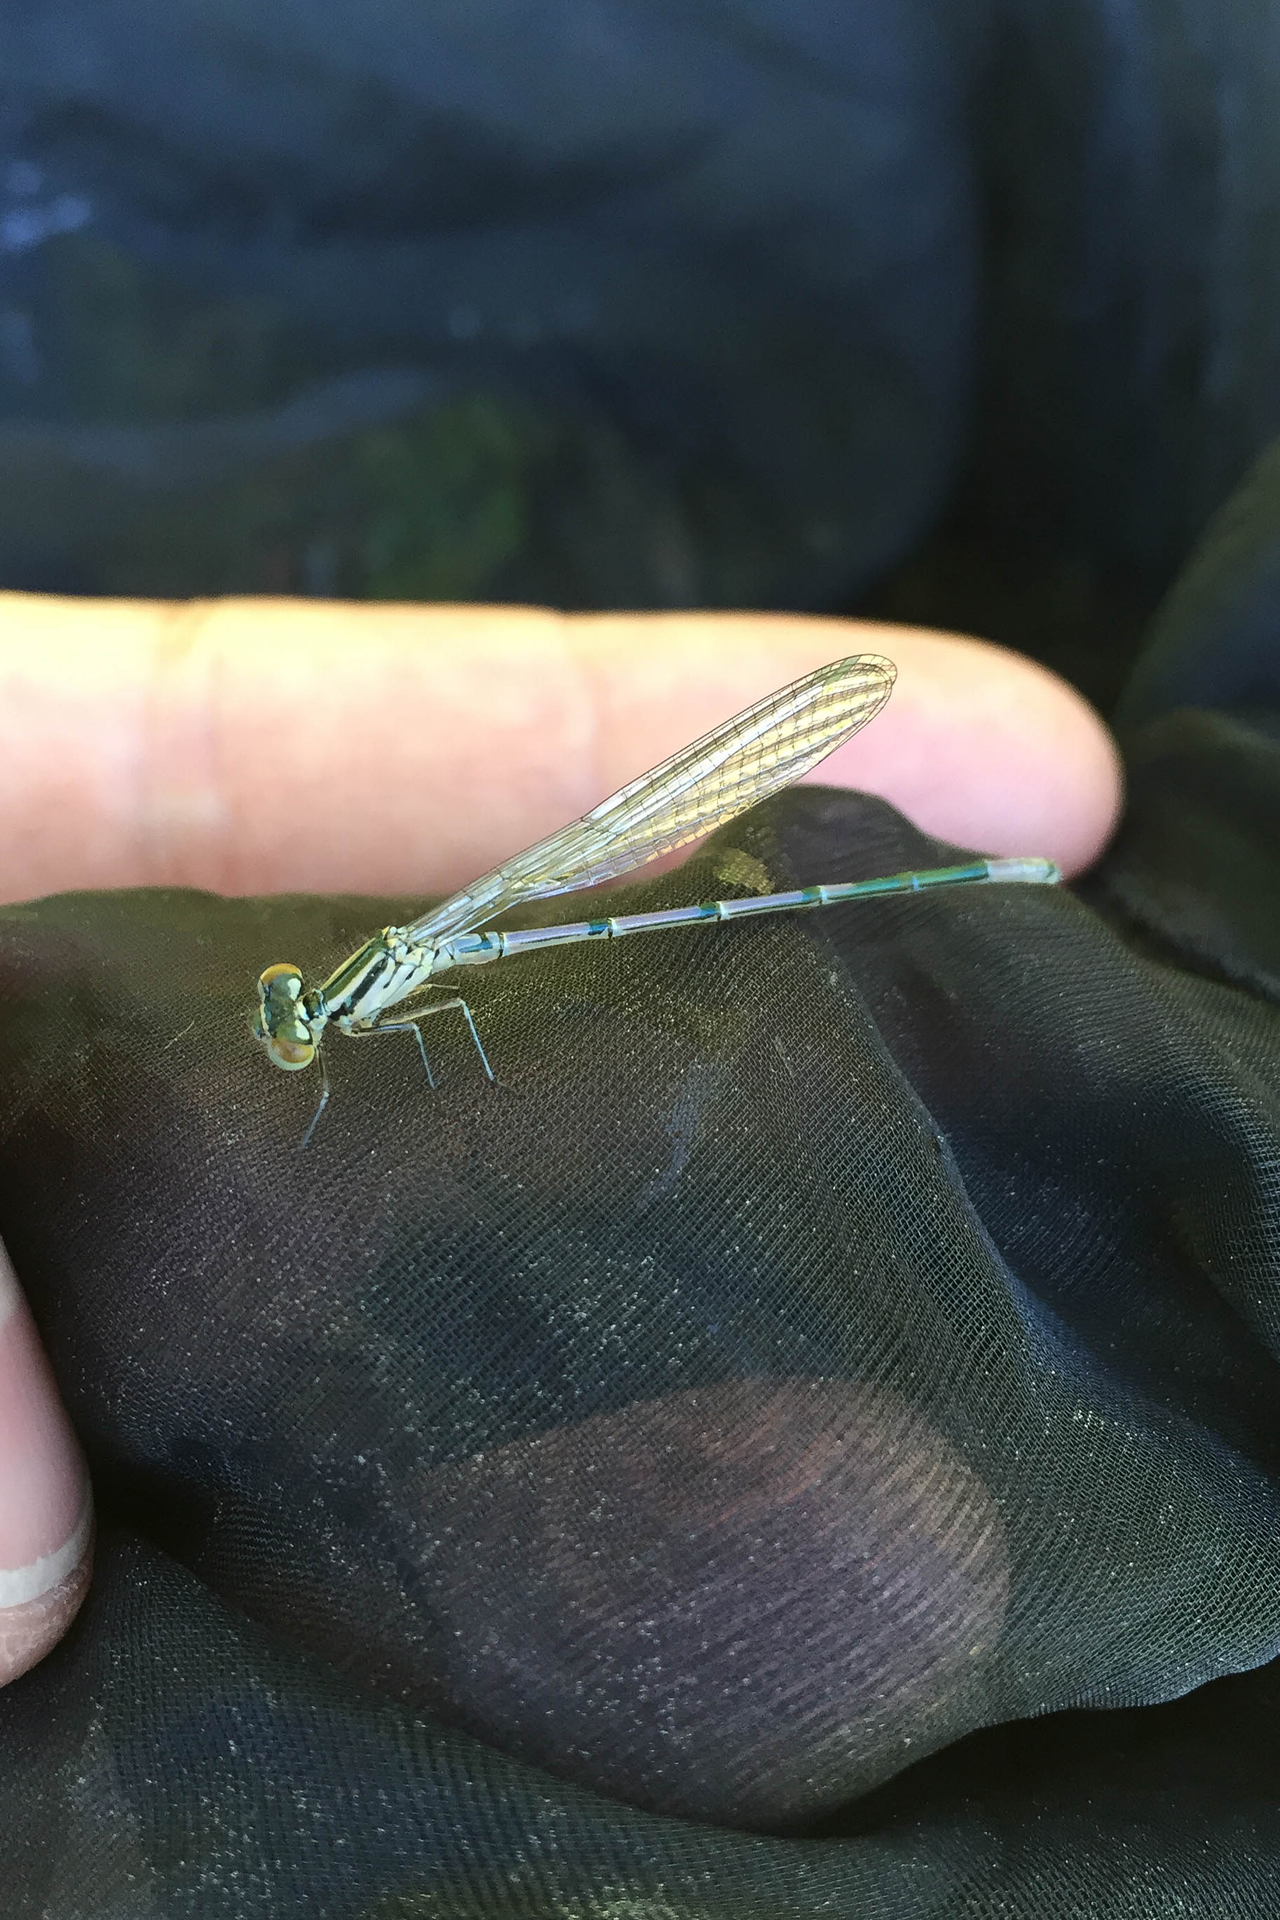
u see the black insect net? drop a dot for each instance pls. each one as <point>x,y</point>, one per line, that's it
<point>803,1442</point>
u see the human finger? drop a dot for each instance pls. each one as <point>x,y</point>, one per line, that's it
<point>45,1509</point>
<point>252,746</point>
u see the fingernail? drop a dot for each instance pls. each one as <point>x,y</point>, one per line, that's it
<point>46,1512</point>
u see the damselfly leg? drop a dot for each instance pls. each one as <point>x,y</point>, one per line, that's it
<point>402,1026</point>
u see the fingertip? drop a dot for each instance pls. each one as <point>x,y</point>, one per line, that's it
<point>32,1628</point>
<point>979,745</point>
<point>989,749</point>
<point>46,1510</point>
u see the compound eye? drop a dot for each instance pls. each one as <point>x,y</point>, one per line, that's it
<point>291,1054</point>
<point>281,981</point>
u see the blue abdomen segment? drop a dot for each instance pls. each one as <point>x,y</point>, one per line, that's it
<point>476,949</point>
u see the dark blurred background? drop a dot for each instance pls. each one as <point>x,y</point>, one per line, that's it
<point>944,311</point>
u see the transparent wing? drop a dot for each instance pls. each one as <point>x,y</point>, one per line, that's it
<point>695,791</point>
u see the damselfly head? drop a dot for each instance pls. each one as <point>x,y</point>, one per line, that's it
<point>281,1021</point>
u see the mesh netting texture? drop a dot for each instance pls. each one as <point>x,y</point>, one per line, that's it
<point>674,1479</point>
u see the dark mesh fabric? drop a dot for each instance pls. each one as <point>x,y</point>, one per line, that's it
<point>805,1442</point>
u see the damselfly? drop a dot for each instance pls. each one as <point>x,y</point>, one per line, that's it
<point>695,791</point>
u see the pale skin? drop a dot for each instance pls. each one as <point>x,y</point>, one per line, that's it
<point>225,745</point>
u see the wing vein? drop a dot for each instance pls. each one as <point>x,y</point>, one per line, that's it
<point>699,788</point>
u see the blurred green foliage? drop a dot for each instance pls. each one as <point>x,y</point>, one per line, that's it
<point>444,503</point>
<point>482,497</point>
<point>127,346</point>
<point>487,494</point>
